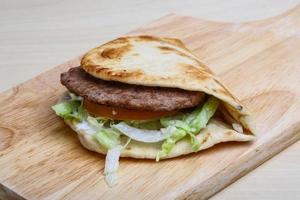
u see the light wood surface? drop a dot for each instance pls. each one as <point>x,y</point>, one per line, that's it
<point>259,61</point>
<point>35,36</point>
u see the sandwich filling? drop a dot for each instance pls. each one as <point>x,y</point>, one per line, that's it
<point>149,97</point>
<point>112,111</point>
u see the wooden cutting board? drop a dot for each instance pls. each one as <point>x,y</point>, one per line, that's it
<point>41,158</point>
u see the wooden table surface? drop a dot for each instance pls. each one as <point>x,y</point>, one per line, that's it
<point>37,35</point>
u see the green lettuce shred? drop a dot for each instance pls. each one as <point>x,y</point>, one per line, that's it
<point>177,127</point>
<point>97,124</point>
<point>195,143</point>
<point>188,124</point>
<point>145,124</point>
<point>67,109</point>
<point>203,115</point>
<point>73,109</point>
<point>107,138</point>
<point>169,143</point>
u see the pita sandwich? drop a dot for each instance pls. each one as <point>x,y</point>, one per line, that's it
<point>149,98</point>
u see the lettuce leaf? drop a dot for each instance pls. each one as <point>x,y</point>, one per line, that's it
<point>145,124</point>
<point>201,116</point>
<point>195,143</point>
<point>81,112</point>
<point>107,138</point>
<point>67,109</point>
<point>172,129</point>
<point>96,124</point>
<point>167,146</point>
<point>188,124</point>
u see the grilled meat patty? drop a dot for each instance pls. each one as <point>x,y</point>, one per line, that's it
<point>128,96</point>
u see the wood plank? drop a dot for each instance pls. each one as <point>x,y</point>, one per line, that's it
<point>41,158</point>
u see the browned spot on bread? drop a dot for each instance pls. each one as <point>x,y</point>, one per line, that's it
<point>229,133</point>
<point>193,71</point>
<point>175,41</point>
<point>183,55</point>
<point>126,74</point>
<point>206,138</point>
<point>147,38</point>
<point>115,53</point>
<point>89,58</point>
<point>101,69</point>
<point>166,49</point>
<point>89,67</point>
<point>172,41</point>
<point>6,136</point>
<point>120,40</point>
<point>113,73</point>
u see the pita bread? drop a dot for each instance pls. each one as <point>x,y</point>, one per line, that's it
<point>162,62</point>
<point>215,132</point>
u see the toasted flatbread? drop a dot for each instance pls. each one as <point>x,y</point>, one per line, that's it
<point>215,132</point>
<point>165,62</point>
<point>162,62</point>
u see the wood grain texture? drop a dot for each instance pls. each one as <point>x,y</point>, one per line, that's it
<point>42,159</point>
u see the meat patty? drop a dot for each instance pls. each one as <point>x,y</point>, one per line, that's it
<point>126,95</point>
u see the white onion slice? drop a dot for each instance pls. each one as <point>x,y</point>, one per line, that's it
<point>141,135</point>
<point>238,127</point>
<point>84,126</point>
<point>112,165</point>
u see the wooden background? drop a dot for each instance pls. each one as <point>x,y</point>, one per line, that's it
<point>35,36</point>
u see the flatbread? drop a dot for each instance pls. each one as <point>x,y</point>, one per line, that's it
<point>215,132</point>
<point>163,62</point>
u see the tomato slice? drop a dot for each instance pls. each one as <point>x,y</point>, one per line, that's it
<point>123,113</point>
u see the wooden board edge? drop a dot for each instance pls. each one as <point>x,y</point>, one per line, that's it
<point>7,193</point>
<point>244,167</point>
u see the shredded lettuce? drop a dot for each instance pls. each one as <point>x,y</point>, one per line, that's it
<point>203,115</point>
<point>67,109</point>
<point>102,120</point>
<point>168,121</point>
<point>195,143</point>
<point>107,138</point>
<point>96,124</point>
<point>145,124</point>
<point>112,165</point>
<point>176,134</point>
<point>188,124</point>
<point>167,129</point>
<point>81,112</point>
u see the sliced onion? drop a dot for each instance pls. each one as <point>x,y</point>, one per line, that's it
<point>141,135</point>
<point>112,165</point>
<point>238,127</point>
<point>85,126</point>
